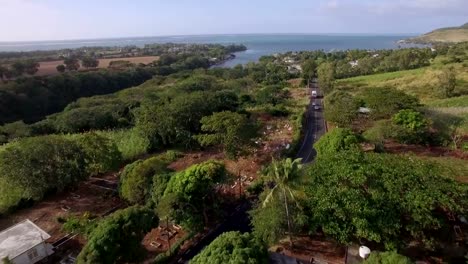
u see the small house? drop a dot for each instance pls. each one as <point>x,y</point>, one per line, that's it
<point>24,243</point>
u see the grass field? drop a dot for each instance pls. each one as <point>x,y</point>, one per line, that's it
<point>422,82</point>
<point>49,67</point>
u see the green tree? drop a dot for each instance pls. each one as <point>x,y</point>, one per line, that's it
<point>284,174</point>
<point>89,62</point>
<point>390,257</point>
<point>341,108</point>
<point>272,94</point>
<point>336,140</point>
<point>61,68</point>
<point>31,67</point>
<point>32,167</point>
<point>136,179</point>
<point>309,69</point>
<point>189,193</point>
<point>118,237</point>
<point>270,222</point>
<point>17,68</point>
<point>383,198</point>
<point>326,77</point>
<point>233,248</point>
<point>385,102</point>
<point>72,63</point>
<point>101,154</point>
<point>231,130</point>
<point>448,81</point>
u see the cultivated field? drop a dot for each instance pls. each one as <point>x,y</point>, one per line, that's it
<point>49,67</point>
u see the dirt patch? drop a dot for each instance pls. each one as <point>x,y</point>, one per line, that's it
<point>50,67</point>
<point>317,248</point>
<point>87,197</point>
<point>397,148</point>
<point>156,241</point>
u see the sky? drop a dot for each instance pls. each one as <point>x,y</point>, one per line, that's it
<point>28,20</point>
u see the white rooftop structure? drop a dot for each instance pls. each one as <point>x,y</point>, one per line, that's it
<point>20,238</point>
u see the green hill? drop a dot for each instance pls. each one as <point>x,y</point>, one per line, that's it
<point>443,35</point>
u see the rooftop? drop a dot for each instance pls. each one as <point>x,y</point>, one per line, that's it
<point>19,238</point>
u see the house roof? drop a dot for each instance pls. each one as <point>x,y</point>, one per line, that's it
<point>20,238</point>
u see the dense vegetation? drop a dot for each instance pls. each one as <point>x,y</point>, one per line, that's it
<point>117,238</point>
<point>233,247</point>
<point>31,99</point>
<point>391,201</point>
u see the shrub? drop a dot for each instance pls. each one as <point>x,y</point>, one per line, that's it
<point>233,247</point>
<point>32,167</point>
<point>385,102</point>
<point>387,258</point>
<point>341,108</point>
<point>117,238</point>
<point>412,126</point>
<point>338,139</point>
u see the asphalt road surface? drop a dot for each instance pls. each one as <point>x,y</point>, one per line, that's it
<point>314,128</point>
<point>239,218</point>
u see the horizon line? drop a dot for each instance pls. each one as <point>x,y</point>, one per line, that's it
<point>207,35</point>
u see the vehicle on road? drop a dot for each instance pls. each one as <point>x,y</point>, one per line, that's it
<point>317,107</point>
<point>314,93</point>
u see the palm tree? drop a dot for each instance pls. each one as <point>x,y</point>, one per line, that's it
<point>283,174</point>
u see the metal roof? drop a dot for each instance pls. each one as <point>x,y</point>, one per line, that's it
<point>20,238</point>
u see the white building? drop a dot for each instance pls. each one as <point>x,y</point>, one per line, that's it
<point>24,243</point>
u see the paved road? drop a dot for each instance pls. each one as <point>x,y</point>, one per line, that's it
<point>314,128</point>
<point>239,218</point>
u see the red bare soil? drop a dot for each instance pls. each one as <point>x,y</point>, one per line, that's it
<point>50,67</point>
<point>397,148</point>
<point>86,197</point>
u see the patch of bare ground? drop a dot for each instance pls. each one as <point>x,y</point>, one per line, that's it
<point>427,151</point>
<point>95,197</point>
<point>50,67</point>
<point>160,239</point>
<point>313,249</point>
<point>275,135</point>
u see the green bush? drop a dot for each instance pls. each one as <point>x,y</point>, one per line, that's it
<point>101,154</point>
<point>188,195</point>
<point>387,258</point>
<point>136,179</point>
<point>338,139</point>
<point>129,142</point>
<point>385,102</point>
<point>117,238</point>
<point>341,108</point>
<point>33,167</point>
<point>379,132</point>
<point>82,225</point>
<point>233,247</point>
<point>412,127</point>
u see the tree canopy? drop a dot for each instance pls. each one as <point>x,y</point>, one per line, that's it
<point>341,108</point>
<point>382,198</point>
<point>336,140</point>
<point>189,193</point>
<point>385,102</point>
<point>231,130</point>
<point>118,236</point>
<point>326,77</point>
<point>35,166</point>
<point>233,248</point>
<point>390,257</point>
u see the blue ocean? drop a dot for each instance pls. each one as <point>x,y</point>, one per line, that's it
<point>257,44</point>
